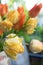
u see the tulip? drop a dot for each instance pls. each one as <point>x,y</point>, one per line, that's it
<point>1,32</point>
<point>36,46</point>
<point>31,25</point>
<point>22,17</point>
<point>3,9</point>
<point>19,24</point>
<point>5,25</point>
<point>13,16</point>
<point>35,10</point>
<point>13,46</point>
<point>1,6</point>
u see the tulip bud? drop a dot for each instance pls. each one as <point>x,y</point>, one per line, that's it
<point>36,46</point>
<point>35,10</point>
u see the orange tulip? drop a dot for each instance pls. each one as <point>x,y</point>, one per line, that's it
<point>3,9</point>
<point>19,24</point>
<point>35,10</point>
<point>1,32</point>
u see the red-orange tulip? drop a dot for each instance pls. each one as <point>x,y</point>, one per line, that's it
<point>35,10</point>
<point>19,24</point>
<point>3,9</point>
<point>1,32</point>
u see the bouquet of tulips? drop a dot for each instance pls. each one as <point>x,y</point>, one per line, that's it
<point>17,20</point>
<point>20,19</point>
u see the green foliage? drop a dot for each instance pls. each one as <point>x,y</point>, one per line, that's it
<point>38,34</point>
<point>11,2</point>
<point>1,44</point>
<point>26,13</point>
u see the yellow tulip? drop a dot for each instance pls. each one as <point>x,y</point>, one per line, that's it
<point>30,25</point>
<point>13,16</point>
<point>6,24</point>
<point>13,46</point>
<point>36,46</point>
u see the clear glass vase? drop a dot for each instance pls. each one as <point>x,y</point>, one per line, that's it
<point>22,59</point>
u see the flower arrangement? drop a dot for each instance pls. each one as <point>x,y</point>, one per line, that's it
<point>14,22</point>
<point>20,19</point>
